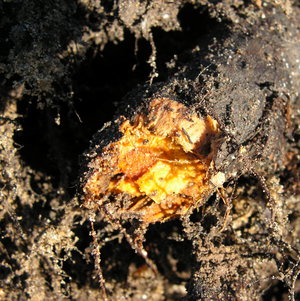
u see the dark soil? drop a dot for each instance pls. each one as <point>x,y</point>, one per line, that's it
<point>68,67</point>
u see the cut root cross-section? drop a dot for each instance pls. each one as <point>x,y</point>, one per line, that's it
<point>159,168</point>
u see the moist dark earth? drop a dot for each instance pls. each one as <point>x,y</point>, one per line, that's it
<point>67,68</point>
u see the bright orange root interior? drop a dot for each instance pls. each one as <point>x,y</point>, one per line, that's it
<point>161,165</point>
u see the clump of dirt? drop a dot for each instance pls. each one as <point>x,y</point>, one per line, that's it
<point>66,68</point>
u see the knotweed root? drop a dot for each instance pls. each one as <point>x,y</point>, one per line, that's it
<point>181,146</point>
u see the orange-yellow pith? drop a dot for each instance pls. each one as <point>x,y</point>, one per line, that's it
<point>159,168</point>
